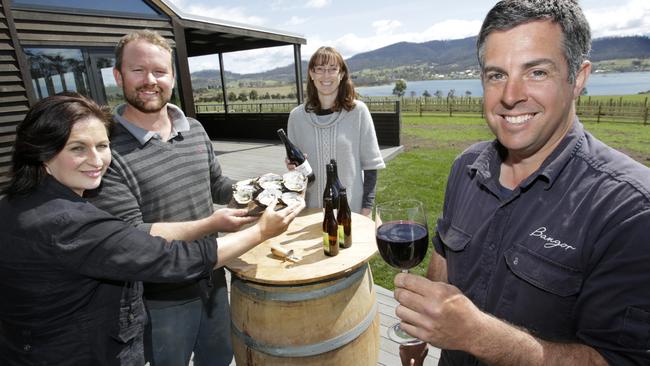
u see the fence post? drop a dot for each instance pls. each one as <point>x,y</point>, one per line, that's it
<point>645,117</point>
<point>420,107</point>
<point>449,103</point>
<point>599,109</point>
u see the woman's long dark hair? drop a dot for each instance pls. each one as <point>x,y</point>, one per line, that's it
<point>43,134</point>
<point>346,94</point>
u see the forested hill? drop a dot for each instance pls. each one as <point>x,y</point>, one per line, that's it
<point>419,61</point>
<point>620,48</point>
<point>459,54</point>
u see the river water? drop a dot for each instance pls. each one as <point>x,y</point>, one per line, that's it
<point>598,84</point>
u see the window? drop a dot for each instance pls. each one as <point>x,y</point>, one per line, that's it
<point>132,7</point>
<point>88,71</point>
<point>56,69</point>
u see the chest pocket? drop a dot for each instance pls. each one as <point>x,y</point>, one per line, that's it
<point>540,294</point>
<point>455,242</point>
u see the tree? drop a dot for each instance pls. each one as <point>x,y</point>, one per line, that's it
<point>426,94</point>
<point>400,87</point>
<point>232,96</point>
<point>438,93</point>
<point>243,96</point>
<point>451,93</point>
<point>253,95</point>
<point>468,93</point>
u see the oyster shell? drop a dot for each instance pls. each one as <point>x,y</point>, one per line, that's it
<point>267,196</point>
<point>242,183</point>
<point>289,198</point>
<point>294,181</point>
<point>272,184</point>
<point>269,177</point>
<point>244,194</point>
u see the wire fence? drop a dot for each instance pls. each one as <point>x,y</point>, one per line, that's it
<point>588,109</point>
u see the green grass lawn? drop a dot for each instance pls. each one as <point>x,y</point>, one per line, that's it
<point>432,142</point>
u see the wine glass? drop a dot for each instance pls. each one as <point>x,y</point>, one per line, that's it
<point>402,239</point>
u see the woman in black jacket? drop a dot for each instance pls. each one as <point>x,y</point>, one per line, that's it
<point>70,290</point>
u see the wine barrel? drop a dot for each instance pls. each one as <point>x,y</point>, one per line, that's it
<point>331,321</point>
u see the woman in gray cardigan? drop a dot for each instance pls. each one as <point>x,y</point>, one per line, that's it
<point>332,124</point>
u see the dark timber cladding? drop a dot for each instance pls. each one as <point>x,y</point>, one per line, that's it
<point>13,92</point>
<point>44,28</point>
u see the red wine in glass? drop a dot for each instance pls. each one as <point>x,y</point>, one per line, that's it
<point>402,244</point>
<point>402,239</point>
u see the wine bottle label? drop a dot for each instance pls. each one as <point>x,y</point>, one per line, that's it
<point>326,242</point>
<point>345,241</point>
<point>304,168</point>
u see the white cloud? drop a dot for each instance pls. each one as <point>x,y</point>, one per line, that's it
<point>294,20</point>
<point>246,62</point>
<point>386,26</point>
<point>450,29</point>
<point>628,19</point>
<point>317,4</point>
<point>234,14</point>
<point>350,44</point>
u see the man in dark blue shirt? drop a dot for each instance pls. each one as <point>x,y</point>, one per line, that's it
<point>541,255</point>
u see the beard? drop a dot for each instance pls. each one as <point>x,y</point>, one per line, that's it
<point>149,105</point>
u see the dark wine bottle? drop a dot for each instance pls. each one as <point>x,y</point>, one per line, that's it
<point>344,220</point>
<point>331,191</point>
<point>330,230</point>
<point>296,157</point>
<point>337,183</point>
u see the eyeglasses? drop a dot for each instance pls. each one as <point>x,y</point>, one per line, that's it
<point>330,70</point>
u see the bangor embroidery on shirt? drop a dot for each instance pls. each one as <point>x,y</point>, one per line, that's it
<point>549,241</point>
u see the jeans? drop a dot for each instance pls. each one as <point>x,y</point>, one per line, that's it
<point>179,330</point>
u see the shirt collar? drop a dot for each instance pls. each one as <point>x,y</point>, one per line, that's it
<point>487,165</point>
<point>179,124</point>
<point>53,186</point>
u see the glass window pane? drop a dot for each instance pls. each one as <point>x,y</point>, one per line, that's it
<point>57,69</point>
<point>117,6</point>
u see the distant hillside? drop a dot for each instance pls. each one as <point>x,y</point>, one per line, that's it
<point>418,61</point>
<point>453,55</point>
<point>613,48</point>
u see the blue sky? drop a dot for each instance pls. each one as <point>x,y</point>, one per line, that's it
<point>358,26</point>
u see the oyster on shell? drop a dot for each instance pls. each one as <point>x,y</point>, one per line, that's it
<point>242,183</point>
<point>271,184</point>
<point>289,198</point>
<point>243,194</point>
<point>294,181</point>
<point>267,196</point>
<point>269,177</point>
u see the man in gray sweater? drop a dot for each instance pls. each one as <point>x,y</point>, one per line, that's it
<point>164,180</point>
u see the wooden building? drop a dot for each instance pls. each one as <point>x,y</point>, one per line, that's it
<point>48,46</point>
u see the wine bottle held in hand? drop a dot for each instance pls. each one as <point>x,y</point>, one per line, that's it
<point>344,220</point>
<point>296,157</point>
<point>330,230</point>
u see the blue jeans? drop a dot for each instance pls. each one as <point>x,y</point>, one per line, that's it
<point>177,331</point>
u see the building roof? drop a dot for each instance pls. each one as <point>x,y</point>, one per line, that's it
<point>204,35</point>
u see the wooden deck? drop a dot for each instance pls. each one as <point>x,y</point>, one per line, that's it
<point>243,160</point>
